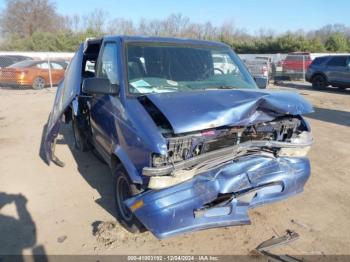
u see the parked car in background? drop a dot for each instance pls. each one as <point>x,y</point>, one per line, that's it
<point>32,73</point>
<point>259,69</point>
<point>190,146</point>
<point>296,64</point>
<point>223,63</point>
<point>329,70</point>
<point>7,60</point>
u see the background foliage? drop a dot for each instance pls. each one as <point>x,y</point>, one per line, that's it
<point>34,25</point>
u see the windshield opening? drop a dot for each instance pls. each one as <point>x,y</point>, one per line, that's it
<point>159,68</point>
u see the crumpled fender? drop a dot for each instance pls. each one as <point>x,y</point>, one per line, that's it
<point>128,165</point>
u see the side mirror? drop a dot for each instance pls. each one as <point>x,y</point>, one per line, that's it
<point>99,85</point>
<point>261,82</point>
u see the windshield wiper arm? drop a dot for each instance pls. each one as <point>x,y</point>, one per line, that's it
<point>222,87</point>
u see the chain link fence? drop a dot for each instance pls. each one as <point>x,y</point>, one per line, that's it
<point>32,70</point>
<point>281,67</point>
<point>278,67</point>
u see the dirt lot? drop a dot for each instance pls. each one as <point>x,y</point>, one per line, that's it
<point>68,210</point>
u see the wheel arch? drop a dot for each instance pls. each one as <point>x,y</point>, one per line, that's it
<point>115,161</point>
<point>119,157</point>
<point>319,73</point>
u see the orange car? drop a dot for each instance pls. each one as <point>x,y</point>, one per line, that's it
<point>32,73</point>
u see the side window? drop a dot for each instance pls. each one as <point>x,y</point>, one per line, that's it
<point>56,66</point>
<point>43,65</point>
<point>107,66</point>
<point>319,60</point>
<point>337,61</point>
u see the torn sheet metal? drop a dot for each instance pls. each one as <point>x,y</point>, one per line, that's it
<point>214,108</point>
<point>278,241</point>
<point>265,246</point>
<point>221,196</point>
<point>299,147</point>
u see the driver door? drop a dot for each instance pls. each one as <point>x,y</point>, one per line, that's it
<point>67,90</point>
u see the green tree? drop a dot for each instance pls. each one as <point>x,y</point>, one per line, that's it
<point>337,42</point>
<point>316,45</point>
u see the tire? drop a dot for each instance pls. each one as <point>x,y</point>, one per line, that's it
<point>319,82</point>
<point>81,142</point>
<point>124,189</point>
<point>38,83</point>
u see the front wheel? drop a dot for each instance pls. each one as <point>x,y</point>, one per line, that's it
<point>319,82</point>
<point>124,189</point>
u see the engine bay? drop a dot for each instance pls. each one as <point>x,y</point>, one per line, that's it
<point>186,146</point>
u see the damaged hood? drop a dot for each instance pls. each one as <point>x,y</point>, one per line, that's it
<point>193,111</point>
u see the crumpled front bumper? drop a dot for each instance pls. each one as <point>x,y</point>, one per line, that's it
<point>244,183</point>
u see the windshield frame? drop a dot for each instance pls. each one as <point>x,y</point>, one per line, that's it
<point>182,43</point>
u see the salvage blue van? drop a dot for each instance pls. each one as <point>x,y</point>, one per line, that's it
<point>190,145</point>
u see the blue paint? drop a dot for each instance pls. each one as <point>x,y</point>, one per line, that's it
<point>122,127</point>
<point>214,108</point>
<point>170,211</point>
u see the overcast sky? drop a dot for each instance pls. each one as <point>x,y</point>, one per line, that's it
<point>251,15</point>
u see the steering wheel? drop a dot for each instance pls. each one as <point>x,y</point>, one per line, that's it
<point>212,70</point>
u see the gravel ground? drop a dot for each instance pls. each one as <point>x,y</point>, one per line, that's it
<point>53,210</point>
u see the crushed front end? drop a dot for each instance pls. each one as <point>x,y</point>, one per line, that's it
<point>211,178</point>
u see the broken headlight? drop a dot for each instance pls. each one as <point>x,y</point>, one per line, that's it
<point>304,138</point>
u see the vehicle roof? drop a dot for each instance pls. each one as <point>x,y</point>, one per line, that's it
<point>331,56</point>
<point>299,53</point>
<point>18,56</point>
<point>327,57</point>
<point>29,63</point>
<point>172,40</point>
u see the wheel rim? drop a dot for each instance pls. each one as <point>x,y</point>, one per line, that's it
<point>122,193</point>
<point>39,83</point>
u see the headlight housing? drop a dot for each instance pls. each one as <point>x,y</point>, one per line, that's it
<point>303,138</point>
